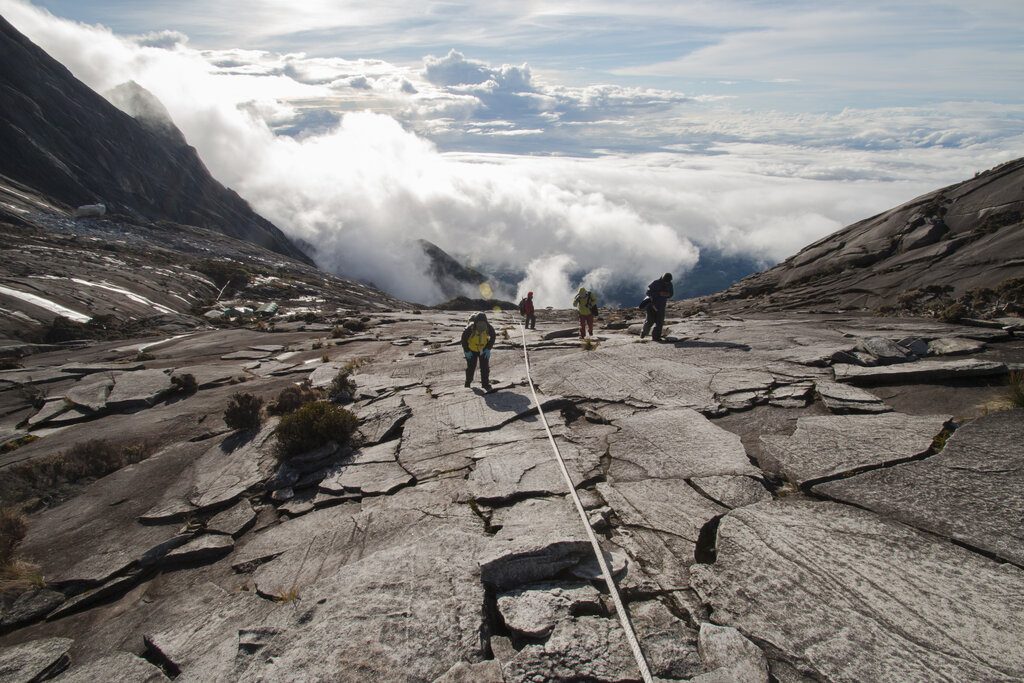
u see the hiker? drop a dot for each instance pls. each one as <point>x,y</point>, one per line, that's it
<point>526,309</point>
<point>658,294</point>
<point>477,340</point>
<point>586,305</point>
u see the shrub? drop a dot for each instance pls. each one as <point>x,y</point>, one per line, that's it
<point>185,384</point>
<point>143,356</point>
<point>244,411</point>
<point>953,313</point>
<point>343,387</point>
<point>313,425</point>
<point>9,364</point>
<point>292,398</point>
<point>353,325</point>
<point>225,274</point>
<point>338,332</point>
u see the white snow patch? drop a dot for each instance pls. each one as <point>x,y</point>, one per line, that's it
<point>50,306</point>
<point>137,298</point>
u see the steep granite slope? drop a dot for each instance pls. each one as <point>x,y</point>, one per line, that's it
<point>64,140</point>
<point>964,237</point>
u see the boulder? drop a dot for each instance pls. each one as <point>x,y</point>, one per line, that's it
<point>533,610</point>
<point>35,660</point>
<point>842,594</point>
<point>954,346</point>
<point>833,445</point>
<point>972,492</point>
<point>238,463</point>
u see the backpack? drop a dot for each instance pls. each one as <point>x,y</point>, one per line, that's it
<point>592,304</point>
<point>522,307</point>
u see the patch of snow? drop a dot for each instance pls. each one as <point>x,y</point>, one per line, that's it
<point>264,279</point>
<point>181,298</point>
<point>46,304</point>
<point>137,298</point>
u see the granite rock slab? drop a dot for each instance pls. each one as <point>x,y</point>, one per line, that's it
<point>833,445</point>
<point>842,594</point>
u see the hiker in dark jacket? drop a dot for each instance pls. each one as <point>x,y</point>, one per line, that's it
<point>527,310</point>
<point>477,341</point>
<point>659,292</point>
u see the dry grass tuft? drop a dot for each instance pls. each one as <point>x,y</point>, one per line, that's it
<point>1015,392</point>
<point>49,477</point>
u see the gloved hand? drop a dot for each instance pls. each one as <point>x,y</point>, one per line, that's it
<point>486,353</point>
<point>468,355</point>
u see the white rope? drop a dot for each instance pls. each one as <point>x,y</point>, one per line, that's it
<point>634,644</point>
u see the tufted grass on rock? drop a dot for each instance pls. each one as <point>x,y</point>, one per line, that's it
<point>51,478</point>
<point>313,425</point>
<point>1015,391</point>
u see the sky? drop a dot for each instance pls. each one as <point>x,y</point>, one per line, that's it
<point>564,142</point>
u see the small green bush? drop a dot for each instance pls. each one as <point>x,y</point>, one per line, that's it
<point>353,325</point>
<point>293,398</point>
<point>185,384</point>
<point>342,388</point>
<point>953,313</point>
<point>244,411</point>
<point>313,425</point>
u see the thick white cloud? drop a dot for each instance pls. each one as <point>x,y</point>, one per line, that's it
<point>598,183</point>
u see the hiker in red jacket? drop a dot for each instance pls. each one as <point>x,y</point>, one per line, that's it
<point>526,309</point>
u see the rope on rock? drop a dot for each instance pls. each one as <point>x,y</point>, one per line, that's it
<point>627,627</point>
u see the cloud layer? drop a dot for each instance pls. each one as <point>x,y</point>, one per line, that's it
<point>511,169</point>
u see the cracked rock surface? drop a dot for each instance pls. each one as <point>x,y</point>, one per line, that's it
<point>762,508</point>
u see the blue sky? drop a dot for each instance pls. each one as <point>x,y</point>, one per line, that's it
<point>565,140</point>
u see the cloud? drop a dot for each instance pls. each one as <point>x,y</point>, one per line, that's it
<point>603,184</point>
<point>162,39</point>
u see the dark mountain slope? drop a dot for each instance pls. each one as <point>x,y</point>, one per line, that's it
<point>66,141</point>
<point>964,237</point>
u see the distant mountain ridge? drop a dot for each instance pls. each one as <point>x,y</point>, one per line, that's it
<point>968,236</point>
<point>61,138</point>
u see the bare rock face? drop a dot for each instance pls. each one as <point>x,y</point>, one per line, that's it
<point>728,656</point>
<point>35,660</point>
<point>732,492</point>
<point>677,443</point>
<point>516,470</point>
<point>972,492</point>
<point>905,605</point>
<point>823,447</point>
<point>121,667</point>
<point>138,389</point>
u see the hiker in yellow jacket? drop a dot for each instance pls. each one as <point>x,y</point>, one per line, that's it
<point>586,305</point>
<point>477,340</point>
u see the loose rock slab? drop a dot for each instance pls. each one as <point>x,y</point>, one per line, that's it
<point>846,595</point>
<point>921,371</point>
<point>972,492</point>
<point>832,445</point>
<point>139,389</point>
<point>733,492</point>
<point>843,399</point>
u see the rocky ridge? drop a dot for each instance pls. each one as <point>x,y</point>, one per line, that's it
<point>764,516</point>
